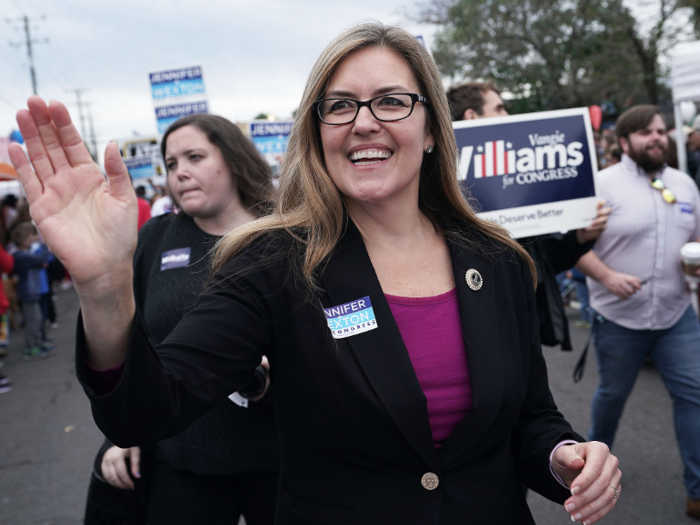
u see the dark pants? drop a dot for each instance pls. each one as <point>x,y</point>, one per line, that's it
<point>33,323</point>
<point>676,354</point>
<point>182,498</point>
<point>47,308</point>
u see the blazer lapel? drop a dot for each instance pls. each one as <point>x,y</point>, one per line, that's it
<point>380,352</point>
<point>478,313</point>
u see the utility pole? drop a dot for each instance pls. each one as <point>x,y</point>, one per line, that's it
<point>83,132</point>
<point>92,133</point>
<point>28,42</point>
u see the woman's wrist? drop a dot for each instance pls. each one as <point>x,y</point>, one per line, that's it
<point>108,310</point>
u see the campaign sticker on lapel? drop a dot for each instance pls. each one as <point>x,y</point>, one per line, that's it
<point>351,318</point>
<point>174,259</point>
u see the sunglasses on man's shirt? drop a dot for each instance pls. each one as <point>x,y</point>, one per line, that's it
<point>666,193</point>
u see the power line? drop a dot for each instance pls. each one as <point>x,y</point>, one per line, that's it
<point>92,133</point>
<point>28,42</point>
<point>83,132</point>
<point>12,105</point>
<point>9,61</point>
<point>48,67</point>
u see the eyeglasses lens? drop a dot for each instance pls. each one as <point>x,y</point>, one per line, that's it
<point>666,193</point>
<point>386,108</point>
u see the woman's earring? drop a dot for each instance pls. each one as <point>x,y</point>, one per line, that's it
<point>429,150</point>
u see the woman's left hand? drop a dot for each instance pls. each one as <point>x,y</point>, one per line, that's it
<point>592,473</point>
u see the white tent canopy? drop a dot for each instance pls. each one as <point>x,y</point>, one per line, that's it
<point>685,83</point>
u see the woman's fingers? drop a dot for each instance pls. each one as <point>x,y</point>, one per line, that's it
<point>35,146</point>
<point>124,481</point>
<point>596,456</point>
<point>135,456</point>
<point>52,141</point>
<point>47,132</point>
<point>594,495</point>
<point>119,181</point>
<point>72,143</point>
<point>30,181</point>
<point>114,468</point>
<point>604,501</point>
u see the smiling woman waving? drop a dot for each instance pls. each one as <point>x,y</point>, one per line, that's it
<point>401,330</point>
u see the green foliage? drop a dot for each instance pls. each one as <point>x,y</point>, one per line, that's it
<point>261,116</point>
<point>555,53</point>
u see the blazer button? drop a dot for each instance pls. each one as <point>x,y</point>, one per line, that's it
<point>429,481</point>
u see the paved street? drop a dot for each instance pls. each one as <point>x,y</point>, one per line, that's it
<point>48,439</point>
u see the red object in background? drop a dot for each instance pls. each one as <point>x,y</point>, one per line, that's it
<point>144,211</point>
<point>596,116</point>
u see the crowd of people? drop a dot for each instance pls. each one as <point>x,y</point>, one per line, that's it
<point>352,344</point>
<point>30,275</point>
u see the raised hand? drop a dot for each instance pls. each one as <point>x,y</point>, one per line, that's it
<point>88,222</point>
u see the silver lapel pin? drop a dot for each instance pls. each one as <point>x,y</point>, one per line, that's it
<point>474,280</point>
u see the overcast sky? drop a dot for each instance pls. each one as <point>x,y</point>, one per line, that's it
<point>255,54</point>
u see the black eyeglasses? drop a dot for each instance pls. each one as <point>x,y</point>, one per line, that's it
<point>387,108</point>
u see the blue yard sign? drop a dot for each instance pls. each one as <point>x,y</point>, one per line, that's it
<point>532,174</point>
<point>140,167</point>
<point>271,137</point>
<point>166,115</point>
<point>177,93</point>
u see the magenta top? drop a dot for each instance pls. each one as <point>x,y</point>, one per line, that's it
<point>432,332</point>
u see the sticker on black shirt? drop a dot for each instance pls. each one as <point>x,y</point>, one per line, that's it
<point>174,259</point>
<point>351,318</point>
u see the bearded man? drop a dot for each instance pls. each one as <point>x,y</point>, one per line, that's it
<point>637,289</point>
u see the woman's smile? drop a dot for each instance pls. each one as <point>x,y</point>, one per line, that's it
<point>373,161</point>
<point>369,157</point>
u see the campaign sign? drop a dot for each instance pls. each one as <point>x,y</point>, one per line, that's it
<point>166,115</point>
<point>140,167</point>
<point>351,318</point>
<point>270,138</point>
<point>532,174</point>
<point>176,93</point>
<point>176,82</point>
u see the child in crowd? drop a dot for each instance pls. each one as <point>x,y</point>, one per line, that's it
<point>7,263</point>
<point>28,268</point>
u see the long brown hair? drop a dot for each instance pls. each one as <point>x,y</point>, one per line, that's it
<point>310,207</point>
<point>249,171</point>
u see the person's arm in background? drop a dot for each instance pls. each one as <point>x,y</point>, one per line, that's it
<point>620,284</point>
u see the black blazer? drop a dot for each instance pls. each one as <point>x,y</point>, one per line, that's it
<point>352,418</point>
